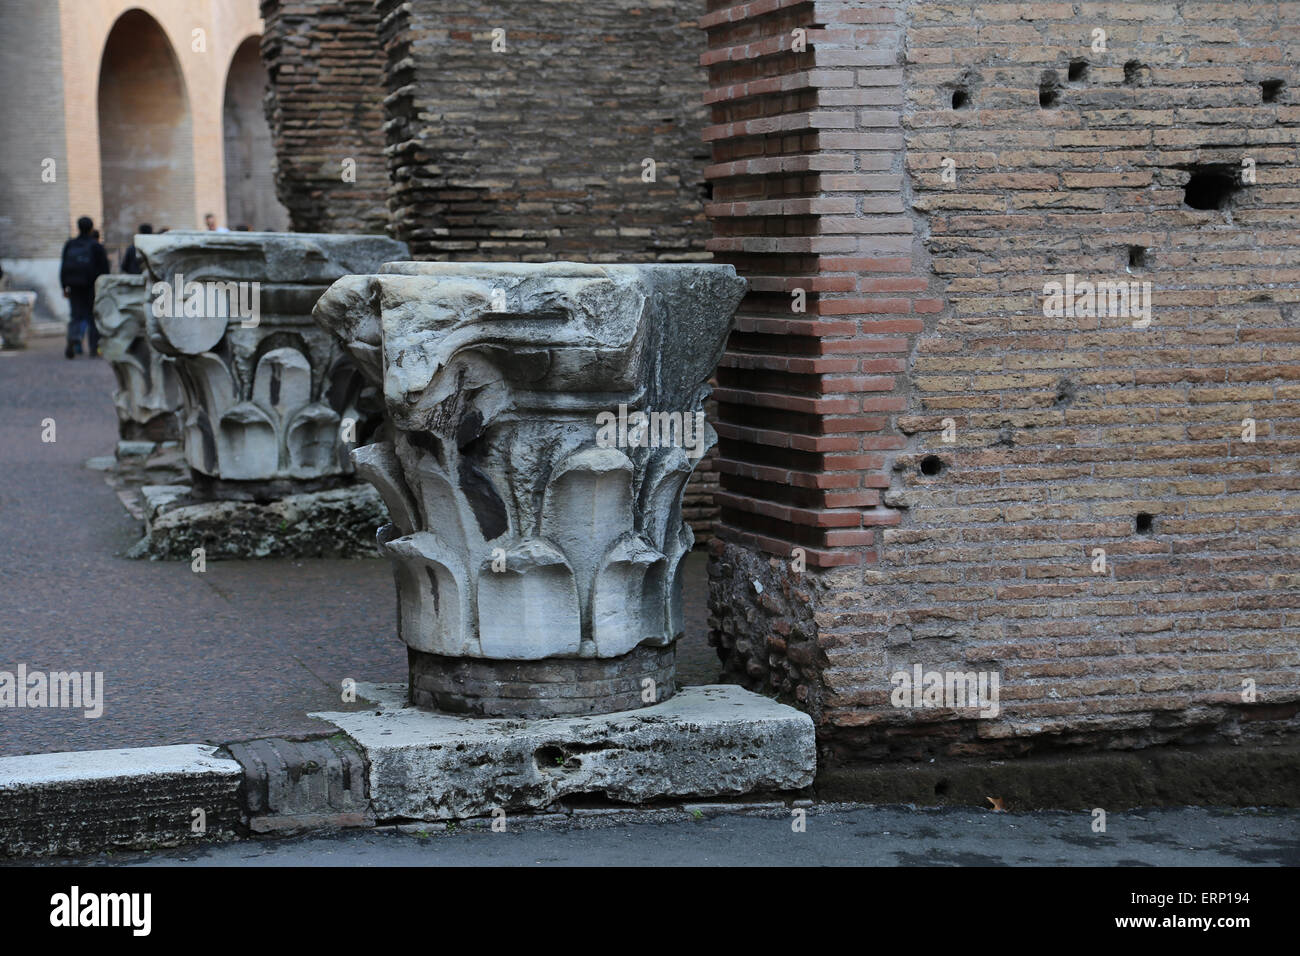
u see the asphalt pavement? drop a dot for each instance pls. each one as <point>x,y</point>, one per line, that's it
<point>830,836</point>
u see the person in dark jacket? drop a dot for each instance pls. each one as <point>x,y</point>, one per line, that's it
<point>131,263</point>
<point>84,260</point>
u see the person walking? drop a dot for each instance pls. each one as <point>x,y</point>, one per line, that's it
<point>131,263</point>
<point>83,261</point>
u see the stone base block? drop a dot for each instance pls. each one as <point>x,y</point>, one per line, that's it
<point>551,687</point>
<point>135,448</point>
<point>339,523</point>
<point>706,741</point>
<point>95,800</point>
<point>294,786</point>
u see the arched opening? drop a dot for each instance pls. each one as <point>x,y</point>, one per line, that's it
<point>249,152</point>
<point>146,142</point>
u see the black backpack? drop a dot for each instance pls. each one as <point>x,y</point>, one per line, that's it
<point>79,263</point>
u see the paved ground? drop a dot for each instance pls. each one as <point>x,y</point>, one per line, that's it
<point>858,836</point>
<point>246,649</point>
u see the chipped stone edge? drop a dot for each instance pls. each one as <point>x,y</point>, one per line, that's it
<point>402,744</point>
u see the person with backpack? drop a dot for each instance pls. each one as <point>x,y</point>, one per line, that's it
<point>84,260</point>
<point>131,263</point>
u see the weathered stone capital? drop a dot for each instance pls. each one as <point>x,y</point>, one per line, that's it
<point>533,517</point>
<point>268,397</point>
<point>16,318</point>
<point>148,394</point>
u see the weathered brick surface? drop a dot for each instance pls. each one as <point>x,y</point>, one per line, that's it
<point>325,106</point>
<point>535,152</point>
<point>926,304</point>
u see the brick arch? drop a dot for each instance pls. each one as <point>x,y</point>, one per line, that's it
<point>146,139</point>
<point>247,146</point>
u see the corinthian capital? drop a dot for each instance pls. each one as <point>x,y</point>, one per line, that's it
<point>546,418</point>
<point>267,396</point>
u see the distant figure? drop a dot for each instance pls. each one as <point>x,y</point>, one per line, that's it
<point>131,263</point>
<point>84,261</point>
<point>210,221</point>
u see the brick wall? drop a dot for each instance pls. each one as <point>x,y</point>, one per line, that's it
<point>326,113</point>
<point>1068,434</point>
<point>535,152</point>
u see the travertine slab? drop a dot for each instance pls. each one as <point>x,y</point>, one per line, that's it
<point>93,800</point>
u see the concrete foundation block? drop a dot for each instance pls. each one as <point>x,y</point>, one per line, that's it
<point>703,742</point>
<point>94,800</point>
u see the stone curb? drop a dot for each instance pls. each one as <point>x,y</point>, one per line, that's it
<point>715,743</point>
<point>87,802</point>
<point>293,786</point>
<point>93,800</point>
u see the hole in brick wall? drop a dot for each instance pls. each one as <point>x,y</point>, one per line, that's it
<point>1211,187</point>
<point>1065,391</point>
<point>960,97</point>
<point>1137,257</point>
<point>1142,522</point>
<point>1078,70</point>
<point>941,788</point>
<point>1271,90</point>
<point>706,189</point>
<point>1049,89</point>
<point>931,465</point>
<point>1137,73</point>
